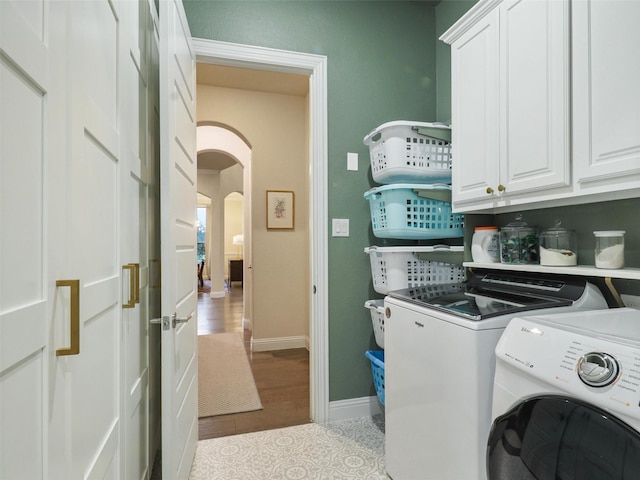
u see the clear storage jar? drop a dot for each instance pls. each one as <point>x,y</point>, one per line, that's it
<point>610,249</point>
<point>519,243</point>
<point>558,246</point>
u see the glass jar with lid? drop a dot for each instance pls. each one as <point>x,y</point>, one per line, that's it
<point>609,249</point>
<point>519,243</point>
<point>558,246</point>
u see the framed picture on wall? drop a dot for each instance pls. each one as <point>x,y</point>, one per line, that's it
<point>280,210</point>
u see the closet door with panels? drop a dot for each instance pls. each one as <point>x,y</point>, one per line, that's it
<point>27,291</point>
<point>73,367</point>
<point>85,437</point>
<point>134,180</point>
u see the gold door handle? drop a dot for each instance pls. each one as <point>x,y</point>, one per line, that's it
<point>136,282</point>
<point>74,317</point>
<point>501,188</point>
<point>489,190</point>
<point>132,285</point>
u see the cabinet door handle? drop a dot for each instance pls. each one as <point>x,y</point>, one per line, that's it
<point>489,190</point>
<point>501,188</point>
<point>74,317</point>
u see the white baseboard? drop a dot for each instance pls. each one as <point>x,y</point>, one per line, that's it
<point>281,343</point>
<point>354,408</point>
<point>220,294</point>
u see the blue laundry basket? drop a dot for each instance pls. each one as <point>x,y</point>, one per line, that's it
<point>377,370</point>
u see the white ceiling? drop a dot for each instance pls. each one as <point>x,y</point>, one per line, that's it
<point>245,79</point>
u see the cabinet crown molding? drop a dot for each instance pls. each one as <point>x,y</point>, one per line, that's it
<point>469,19</point>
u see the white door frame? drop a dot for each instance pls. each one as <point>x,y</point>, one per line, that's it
<point>247,56</point>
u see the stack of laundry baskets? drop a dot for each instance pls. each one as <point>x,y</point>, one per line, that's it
<point>412,163</point>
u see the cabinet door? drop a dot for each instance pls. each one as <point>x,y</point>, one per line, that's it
<point>606,97</point>
<point>474,68</point>
<point>534,99</point>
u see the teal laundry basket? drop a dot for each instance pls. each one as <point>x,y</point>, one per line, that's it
<point>377,370</point>
<point>413,212</point>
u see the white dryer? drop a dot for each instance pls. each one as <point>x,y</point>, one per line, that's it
<point>566,399</point>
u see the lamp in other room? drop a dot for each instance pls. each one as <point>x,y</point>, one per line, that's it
<point>238,240</point>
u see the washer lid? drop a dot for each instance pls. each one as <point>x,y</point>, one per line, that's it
<point>489,294</point>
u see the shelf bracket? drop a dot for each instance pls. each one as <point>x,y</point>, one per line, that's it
<point>614,292</point>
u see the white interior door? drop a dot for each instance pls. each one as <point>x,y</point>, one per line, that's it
<point>85,387</point>
<point>135,80</point>
<point>178,203</point>
<point>25,294</point>
<point>65,81</point>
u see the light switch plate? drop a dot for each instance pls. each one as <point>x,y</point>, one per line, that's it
<point>352,161</point>
<point>340,227</point>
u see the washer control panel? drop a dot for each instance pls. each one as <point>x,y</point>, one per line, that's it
<point>601,369</point>
<point>598,369</point>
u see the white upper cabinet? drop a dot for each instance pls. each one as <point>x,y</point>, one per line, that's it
<point>606,96</point>
<point>475,110</point>
<point>534,95</point>
<point>510,102</point>
<point>517,66</point>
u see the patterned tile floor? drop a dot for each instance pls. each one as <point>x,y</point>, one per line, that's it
<point>348,449</point>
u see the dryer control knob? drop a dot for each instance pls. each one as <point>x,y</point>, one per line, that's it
<point>598,369</point>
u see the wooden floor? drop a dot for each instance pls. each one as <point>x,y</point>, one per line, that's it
<point>282,376</point>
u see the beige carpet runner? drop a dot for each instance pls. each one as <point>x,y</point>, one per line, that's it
<point>225,381</point>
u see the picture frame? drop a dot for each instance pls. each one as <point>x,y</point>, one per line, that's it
<point>280,210</point>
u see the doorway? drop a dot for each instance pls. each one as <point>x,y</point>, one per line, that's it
<point>221,53</point>
<point>262,120</point>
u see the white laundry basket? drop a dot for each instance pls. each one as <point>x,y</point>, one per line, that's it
<point>395,268</point>
<point>376,307</point>
<point>403,151</point>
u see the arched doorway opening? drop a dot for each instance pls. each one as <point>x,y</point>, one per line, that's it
<point>226,170</point>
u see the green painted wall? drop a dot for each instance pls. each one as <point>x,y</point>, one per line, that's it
<point>381,67</point>
<point>447,13</point>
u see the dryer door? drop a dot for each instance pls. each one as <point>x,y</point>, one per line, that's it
<point>559,438</point>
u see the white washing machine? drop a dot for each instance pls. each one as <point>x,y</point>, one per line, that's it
<point>439,366</point>
<point>566,402</point>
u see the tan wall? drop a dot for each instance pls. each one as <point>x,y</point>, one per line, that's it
<point>233,209</point>
<point>276,126</point>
